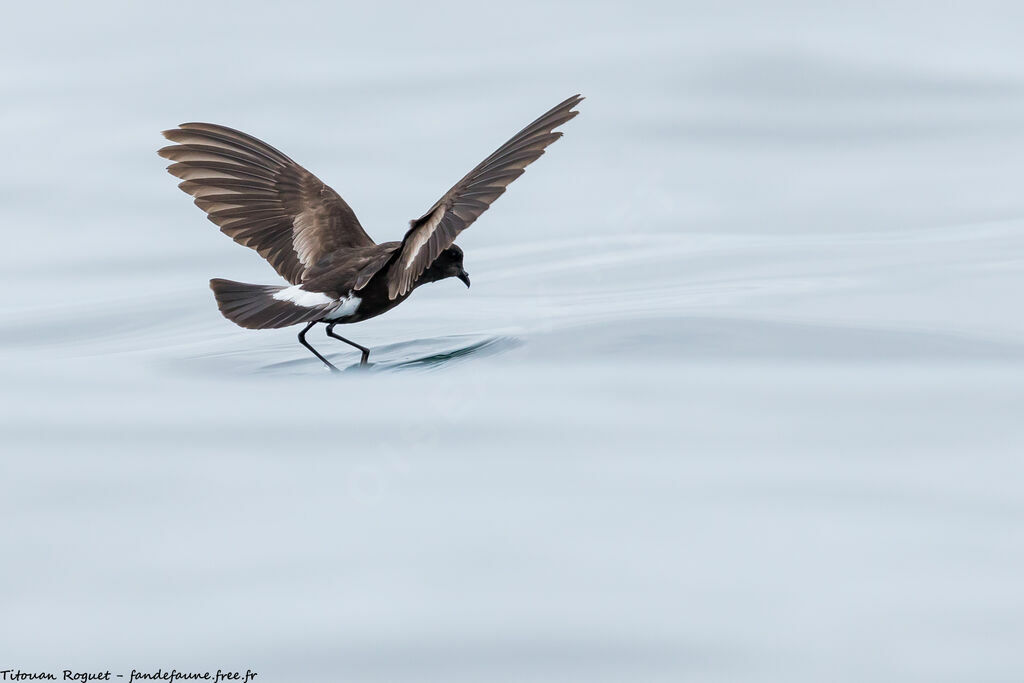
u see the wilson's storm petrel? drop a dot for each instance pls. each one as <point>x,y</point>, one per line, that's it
<point>262,199</point>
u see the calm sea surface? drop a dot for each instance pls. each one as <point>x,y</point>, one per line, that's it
<point>736,395</point>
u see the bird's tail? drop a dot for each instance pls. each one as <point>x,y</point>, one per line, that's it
<point>254,306</point>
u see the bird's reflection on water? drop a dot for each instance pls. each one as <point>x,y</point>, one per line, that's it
<point>417,354</point>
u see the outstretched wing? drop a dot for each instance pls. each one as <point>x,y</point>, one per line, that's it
<point>435,231</point>
<point>261,198</point>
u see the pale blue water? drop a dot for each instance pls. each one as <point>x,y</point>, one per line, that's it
<point>736,393</point>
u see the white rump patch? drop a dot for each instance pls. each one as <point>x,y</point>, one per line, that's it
<point>301,297</point>
<point>346,307</point>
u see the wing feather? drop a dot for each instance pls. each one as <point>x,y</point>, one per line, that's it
<point>261,198</point>
<point>436,230</point>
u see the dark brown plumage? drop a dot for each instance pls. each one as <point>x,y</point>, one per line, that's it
<point>264,200</point>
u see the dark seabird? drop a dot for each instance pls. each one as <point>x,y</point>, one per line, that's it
<point>262,199</point>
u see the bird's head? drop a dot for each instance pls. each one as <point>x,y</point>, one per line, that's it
<point>449,264</point>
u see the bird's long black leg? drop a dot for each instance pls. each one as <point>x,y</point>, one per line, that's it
<point>366,351</point>
<point>302,340</point>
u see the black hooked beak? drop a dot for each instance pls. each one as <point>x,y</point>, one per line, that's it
<point>464,276</point>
